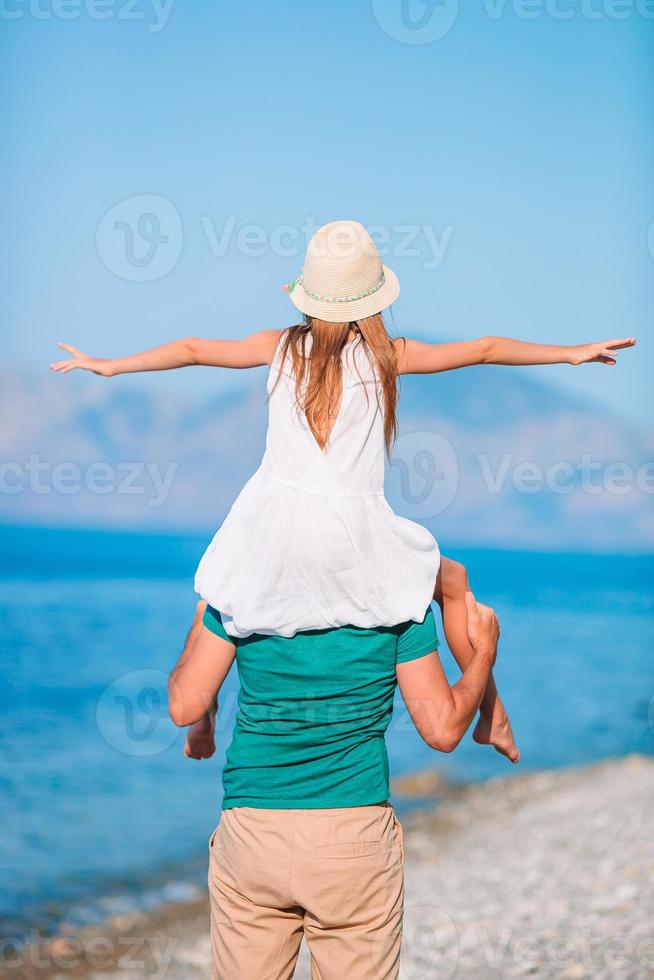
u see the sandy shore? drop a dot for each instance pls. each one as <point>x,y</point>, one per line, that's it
<point>543,875</point>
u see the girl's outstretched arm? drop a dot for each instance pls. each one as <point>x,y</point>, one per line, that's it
<point>252,351</point>
<point>416,357</point>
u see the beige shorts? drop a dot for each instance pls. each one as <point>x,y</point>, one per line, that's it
<point>334,876</point>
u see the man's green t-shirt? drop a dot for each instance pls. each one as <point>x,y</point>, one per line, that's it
<point>313,710</point>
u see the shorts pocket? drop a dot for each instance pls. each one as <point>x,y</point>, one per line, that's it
<point>399,835</point>
<point>213,837</point>
<point>354,849</point>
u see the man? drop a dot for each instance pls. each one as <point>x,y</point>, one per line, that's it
<point>308,843</point>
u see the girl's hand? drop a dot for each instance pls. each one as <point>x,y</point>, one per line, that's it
<point>98,365</point>
<point>603,353</point>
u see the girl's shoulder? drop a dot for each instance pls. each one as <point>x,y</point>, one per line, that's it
<point>270,342</point>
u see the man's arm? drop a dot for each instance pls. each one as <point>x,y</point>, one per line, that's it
<point>442,714</point>
<point>199,673</point>
<point>417,357</point>
<point>253,351</point>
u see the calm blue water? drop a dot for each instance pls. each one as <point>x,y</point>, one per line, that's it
<point>100,808</point>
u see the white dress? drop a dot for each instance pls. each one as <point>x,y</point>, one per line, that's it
<point>311,542</point>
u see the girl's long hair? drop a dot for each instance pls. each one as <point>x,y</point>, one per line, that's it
<point>318,372</point>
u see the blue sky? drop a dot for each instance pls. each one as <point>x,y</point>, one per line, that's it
<point>507,162</point>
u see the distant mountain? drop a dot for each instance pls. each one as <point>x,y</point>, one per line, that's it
<point>486,456</point>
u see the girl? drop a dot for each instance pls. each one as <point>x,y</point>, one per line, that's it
<point>311,542</point>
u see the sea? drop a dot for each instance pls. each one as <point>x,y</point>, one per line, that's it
<point>102,813</point>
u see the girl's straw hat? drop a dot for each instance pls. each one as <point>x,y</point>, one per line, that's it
<point>343,277</point>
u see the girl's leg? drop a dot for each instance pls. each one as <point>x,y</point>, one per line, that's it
<point>493,727</point>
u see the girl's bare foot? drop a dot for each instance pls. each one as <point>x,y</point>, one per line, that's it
<point>495,730</point>
<point>200,742</point>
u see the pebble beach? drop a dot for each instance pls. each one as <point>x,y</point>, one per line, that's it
<point>547,874</point>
